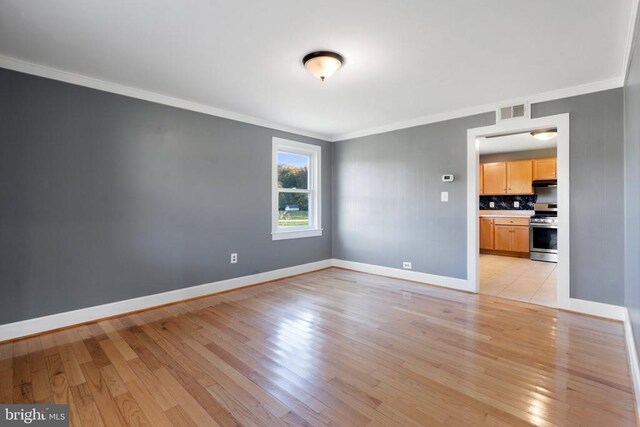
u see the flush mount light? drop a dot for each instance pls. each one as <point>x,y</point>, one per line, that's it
<point>322,64</point>
<point>544,134</point>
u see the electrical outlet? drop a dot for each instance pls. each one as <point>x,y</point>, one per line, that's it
<point>492,204</point>
<point>234,258</point>
<point>516,204</point>
<point>406,265</point>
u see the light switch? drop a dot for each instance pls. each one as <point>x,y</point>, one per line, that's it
<point>444,196</point>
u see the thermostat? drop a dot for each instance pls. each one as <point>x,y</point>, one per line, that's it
<point>447,178</point>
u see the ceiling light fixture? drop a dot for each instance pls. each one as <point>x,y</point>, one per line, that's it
<point>322,64</point>
<point>545,134</point>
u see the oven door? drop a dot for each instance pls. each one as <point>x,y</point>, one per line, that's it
<point>543,238</point>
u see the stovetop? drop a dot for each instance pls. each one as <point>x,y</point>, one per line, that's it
<point>545,218</point>
<point>545,213</point>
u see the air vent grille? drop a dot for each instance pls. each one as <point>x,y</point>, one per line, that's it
<point>516,111</point>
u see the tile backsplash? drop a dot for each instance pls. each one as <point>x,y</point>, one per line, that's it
<point>505,203</point>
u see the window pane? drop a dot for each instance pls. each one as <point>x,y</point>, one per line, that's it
<point>293,210</point>
<point>293,170</point>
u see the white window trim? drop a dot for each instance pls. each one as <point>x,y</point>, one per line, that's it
<point>315,200</point>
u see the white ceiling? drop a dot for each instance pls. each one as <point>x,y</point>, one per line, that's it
<point>512,143</point>
<point>404,60</point>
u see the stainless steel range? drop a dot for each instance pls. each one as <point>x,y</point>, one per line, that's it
<point>543,233</point>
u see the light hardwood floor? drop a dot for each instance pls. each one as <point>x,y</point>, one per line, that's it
<point>519,278</point>
<point>333,347</point>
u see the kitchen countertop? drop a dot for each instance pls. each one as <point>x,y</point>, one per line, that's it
<point>506,214</point>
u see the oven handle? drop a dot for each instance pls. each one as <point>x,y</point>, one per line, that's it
<point>542,225</point>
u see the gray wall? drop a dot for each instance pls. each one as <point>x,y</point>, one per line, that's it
<point>387,205</point>
<point>387,186</point>
<point>597,193</point>
<point>106,198</point>
<point>518,155</point>
<point>632,190</point>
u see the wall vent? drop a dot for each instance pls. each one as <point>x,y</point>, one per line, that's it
<point>516,111</point>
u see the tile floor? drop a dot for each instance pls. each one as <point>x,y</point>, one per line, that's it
<point>519,279</point>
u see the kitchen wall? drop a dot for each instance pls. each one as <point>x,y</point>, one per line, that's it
<point>387,187</point>
<point>106,198</point>
<point>632,191</point>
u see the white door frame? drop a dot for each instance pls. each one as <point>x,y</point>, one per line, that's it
<point>561,122</point>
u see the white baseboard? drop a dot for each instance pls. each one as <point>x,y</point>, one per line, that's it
<point>608,311</point>
<point>599,309</point>
<point>396,273</point>
<point>55,321</point>
<point>69,318</point>
<point>632,353</point>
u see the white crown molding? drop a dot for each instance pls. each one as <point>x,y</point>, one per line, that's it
<point>61,320</point>
<point>485,108</point>
<point>630,41</point>
<point>106,86</point>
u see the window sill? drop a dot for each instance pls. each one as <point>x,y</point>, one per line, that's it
<point>299,234</point>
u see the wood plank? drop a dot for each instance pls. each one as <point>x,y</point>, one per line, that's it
<point>184,399</point>
<point>105,402</point>
<point>6,373</point>
<point>334,347</point>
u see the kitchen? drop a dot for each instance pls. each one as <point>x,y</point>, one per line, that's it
<point>519,216</point>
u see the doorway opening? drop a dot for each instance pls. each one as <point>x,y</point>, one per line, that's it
<point>518,210</point>
<point>518,217</point>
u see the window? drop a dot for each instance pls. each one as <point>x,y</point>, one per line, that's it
<point>295,190</point>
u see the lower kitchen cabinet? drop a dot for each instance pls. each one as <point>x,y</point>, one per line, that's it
<point>486,233</point>
<point>520,239</point>
<point>504,235</point>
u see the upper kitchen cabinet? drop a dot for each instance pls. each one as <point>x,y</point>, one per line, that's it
<point>494,178</point>
<point>519,177</point>
<point>545,169</point>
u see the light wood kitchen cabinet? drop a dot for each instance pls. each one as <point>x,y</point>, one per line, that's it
<point>494,178</point>
<point>486,233</point>
<point>519,177</point>
<point>515,177</point>
<point>545,169</point>
<point>505,235</point>
<point>510,238</point>
<point>520,239</point>
<point>522,220</point>
<point>502,238</point>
